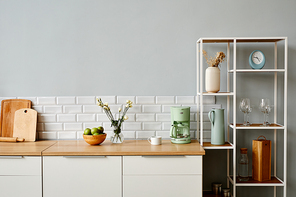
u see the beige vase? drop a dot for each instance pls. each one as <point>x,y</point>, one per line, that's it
<point>212,79</point>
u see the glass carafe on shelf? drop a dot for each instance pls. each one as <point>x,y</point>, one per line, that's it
<point>243,165</point>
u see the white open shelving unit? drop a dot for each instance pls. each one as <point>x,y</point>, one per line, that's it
<point>232,126</point>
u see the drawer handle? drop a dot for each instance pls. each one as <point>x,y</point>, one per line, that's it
<point>84,156</point>
<point>11,157</point>
<point>161,156</point>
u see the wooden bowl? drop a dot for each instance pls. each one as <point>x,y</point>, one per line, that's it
<point>95,139</point>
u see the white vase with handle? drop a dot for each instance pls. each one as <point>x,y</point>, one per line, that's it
<point>212,78</point>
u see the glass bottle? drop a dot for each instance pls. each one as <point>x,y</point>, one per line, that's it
<point>243,166</point>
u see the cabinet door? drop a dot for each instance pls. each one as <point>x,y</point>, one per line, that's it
<point>160,176</point>
<point>82,176</point>
<point>20,176</point>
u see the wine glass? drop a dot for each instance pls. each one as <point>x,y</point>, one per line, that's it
<point>245,107</point>
<point>265,108</point>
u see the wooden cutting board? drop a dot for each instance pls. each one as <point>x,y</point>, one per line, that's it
<point>8,108</point>
<point>25,121</point>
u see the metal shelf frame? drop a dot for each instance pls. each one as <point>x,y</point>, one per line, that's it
<point>233,126</point>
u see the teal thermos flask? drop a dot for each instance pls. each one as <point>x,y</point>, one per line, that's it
<point>216,117</point>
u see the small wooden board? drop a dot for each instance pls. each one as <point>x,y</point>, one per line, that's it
<point>25,121</point>
<point>8,108</point>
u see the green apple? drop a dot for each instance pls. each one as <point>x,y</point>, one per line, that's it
<point>87,131</point>
<point>94,130</point>
<point>96,134</point>
<point>101,129</point>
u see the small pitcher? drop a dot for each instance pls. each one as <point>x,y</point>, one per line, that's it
<point>216,117</point>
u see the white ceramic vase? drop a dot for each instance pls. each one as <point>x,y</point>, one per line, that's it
<point>212,79</point>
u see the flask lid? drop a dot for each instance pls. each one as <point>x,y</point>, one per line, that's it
<point>244,150</point>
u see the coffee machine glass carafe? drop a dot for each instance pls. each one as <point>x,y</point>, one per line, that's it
<point>180,129</point>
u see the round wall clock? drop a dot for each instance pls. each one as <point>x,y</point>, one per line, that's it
<point>257,59</point>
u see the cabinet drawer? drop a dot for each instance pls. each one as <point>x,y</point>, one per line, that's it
<point>26,186</point>
<point>82,176</point>
<point>20,165</point>
<point>162,185</point>
<point>137,165</point>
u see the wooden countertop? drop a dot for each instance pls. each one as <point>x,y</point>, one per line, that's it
<point>24,148</point>
<point>128,147</point>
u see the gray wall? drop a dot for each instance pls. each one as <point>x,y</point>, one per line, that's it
<point>131,47</point>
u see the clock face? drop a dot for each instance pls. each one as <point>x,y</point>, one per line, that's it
<point>257,57</point>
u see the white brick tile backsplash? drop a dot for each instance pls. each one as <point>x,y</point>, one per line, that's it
<point>163,134</point>
<point>46,100</point>
<point>166,126</point>
<point>135,109</point>
<point>206,99</point>
<point>53,126</point>
<point>92,109</point>
<point>38,108</point>
<point>46,118</point>
<point>72,126</point>
<point>67,135</point>
<point>151,126</point>
<point>129,134</point>
<point>145,117</point>
<point>122,99</point>
<point>167,108</point>
<point>40,127</point>
<point>151,108</point>
<point>163,117</point>
<point>72,109</point>
<point>53,109</point>
<point>132,126</point>
<point>145,99</point>
<point>144,134</point>
<point>165,99</point>
<point>86,100</point>
<point>185,100</point>
<point>47,135</point>
<point>102,118</point>
<point>91,125</point>
<point>66,100</point>
<point>66,118</point>
<point>108,99</point>
<point>86,117</point>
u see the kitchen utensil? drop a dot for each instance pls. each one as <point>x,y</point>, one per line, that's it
<point>226,192</point>
<point>11,139</point>
<point>180,120</point>
<point>155,140</point>
<point>265,108</point>
<point>216,117</point>
<point>25,121</point>
<point>246,108</point>
<point>8,108</point>
<point>261,159</point>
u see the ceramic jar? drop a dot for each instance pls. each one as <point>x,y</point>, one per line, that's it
<point>212,79</point>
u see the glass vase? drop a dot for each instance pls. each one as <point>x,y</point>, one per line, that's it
<point>117,137</point>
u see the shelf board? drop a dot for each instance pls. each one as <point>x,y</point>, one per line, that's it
<point>240,39</point>
<point>256,71</point>
<point>258,126</point>
<point>208,145</point>
<point>275,181</point>
<point>216,94</point>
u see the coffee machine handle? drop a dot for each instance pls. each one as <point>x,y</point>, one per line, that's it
<point>173,132</point>
<point>212,116</point>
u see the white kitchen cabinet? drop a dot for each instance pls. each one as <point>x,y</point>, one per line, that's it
<point>162,176</point>
<point>20,176</point>
<point>82,176</point>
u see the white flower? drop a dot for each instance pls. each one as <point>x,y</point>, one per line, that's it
<point>106,104</point>
<point>119,109</point>
<point>125,117</point>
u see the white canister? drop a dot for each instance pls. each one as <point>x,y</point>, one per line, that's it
<point>212,79</point>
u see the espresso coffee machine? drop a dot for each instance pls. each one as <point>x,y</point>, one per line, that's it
<point>180,120</point>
